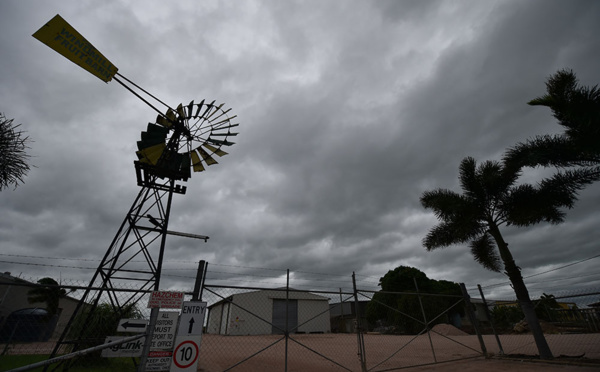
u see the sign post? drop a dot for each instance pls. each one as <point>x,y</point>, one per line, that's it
<point>189,336</point>
<point>160,299</point>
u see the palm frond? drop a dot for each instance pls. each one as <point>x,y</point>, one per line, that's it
<point>526,205</point>
<point>447,205</point>
<point>547,150</point>
<point>563,187</point>
<point>449,233</point>
<point>14,160</point>
<point>495,180</point>
<point>484,251</point>
<point>467,175</point>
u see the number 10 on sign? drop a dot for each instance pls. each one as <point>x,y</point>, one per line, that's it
<point>185,354</point>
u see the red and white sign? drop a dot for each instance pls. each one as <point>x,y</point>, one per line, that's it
<point>160,354</point>
<point>185,354</point>
<point>166,300</point>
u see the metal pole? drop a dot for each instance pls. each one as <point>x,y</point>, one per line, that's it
<point>425,320</point>
<point>77,353</point>
<point>154,312</point>
<point>472,317</point>
<point>489,317</point>
<point>342,320</point>
<point>287,304</point>
<point>197,294</point>
<point>148,340</point>
<point>359,335</point>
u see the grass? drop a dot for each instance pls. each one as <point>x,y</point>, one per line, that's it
<point>8,362</point>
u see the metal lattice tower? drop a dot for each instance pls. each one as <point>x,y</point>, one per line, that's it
<point>180,141</point>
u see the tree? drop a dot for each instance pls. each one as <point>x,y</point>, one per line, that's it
<point>92,329</point>
<point>492,198</point>
<point>13,158</point>
<point>577,109</point>
<point>50,294</point>
<point>397,304</point>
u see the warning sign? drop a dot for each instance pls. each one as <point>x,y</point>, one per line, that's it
<point>163,336</point>
<point>185,354</point>
<point>166,300</point>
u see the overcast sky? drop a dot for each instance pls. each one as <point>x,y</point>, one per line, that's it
<point>349,111</point>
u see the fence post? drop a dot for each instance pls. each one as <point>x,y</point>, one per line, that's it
<point>287,304</point>
<point>489,316</point>
<point>342,320</point>
<point>472,318</point>
<point>425,320</point>
<point>200,277</point>
<point>359,335</point>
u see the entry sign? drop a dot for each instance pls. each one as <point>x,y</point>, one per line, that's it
<point>192,318</point>
<point>64,39</point>
<point>185,354</point>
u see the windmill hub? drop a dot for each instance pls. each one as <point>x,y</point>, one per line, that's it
<point>182,140</point>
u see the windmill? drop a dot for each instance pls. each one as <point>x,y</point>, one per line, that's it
<point>180,141</point>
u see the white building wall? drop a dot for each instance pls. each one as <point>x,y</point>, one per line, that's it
<point>242,322</point>
<point>237,321</point>
<point>307,312</point>
<point>214,319</point>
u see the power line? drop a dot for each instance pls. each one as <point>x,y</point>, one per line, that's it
<point>543,272</point>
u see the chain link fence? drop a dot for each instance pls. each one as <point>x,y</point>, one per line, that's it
<point>571,326</point>
<point>286,329</point>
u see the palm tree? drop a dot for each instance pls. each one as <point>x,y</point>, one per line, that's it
<point>492,198</point>
<point>577,109</point>
<point>13,158</point>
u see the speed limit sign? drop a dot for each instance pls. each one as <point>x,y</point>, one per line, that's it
<point>185,354</point>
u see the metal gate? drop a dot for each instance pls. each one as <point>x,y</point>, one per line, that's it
<point>262,329</point>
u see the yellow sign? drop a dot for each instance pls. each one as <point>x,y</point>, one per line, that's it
<point>60,36</point>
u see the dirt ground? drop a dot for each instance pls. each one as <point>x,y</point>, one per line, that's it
<point>452,352</point>
<point>338,352</point>
<point>494,365</point>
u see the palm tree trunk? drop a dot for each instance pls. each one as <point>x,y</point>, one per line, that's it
<point>514,275</point>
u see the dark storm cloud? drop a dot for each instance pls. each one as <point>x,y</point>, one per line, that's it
<point>349,113</point>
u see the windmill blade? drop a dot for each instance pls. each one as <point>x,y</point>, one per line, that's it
<point>190,107</point>
<point>207,158</point>
<point>162,120</point>
<point>223,113</point>
<point>153,135</point>
<point>224,134</point>
<point>219,125</point>
<point>219,142</point>
<point>208,108</point>
<point>171,115</point>
<point>214,112</point>
<point>199,108</point>
<point>180,111</point>
<point>227,127</point>
<point>151,139</point>
<point>151,154</point>
<point>214,150</point>
<point>196,162</point>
